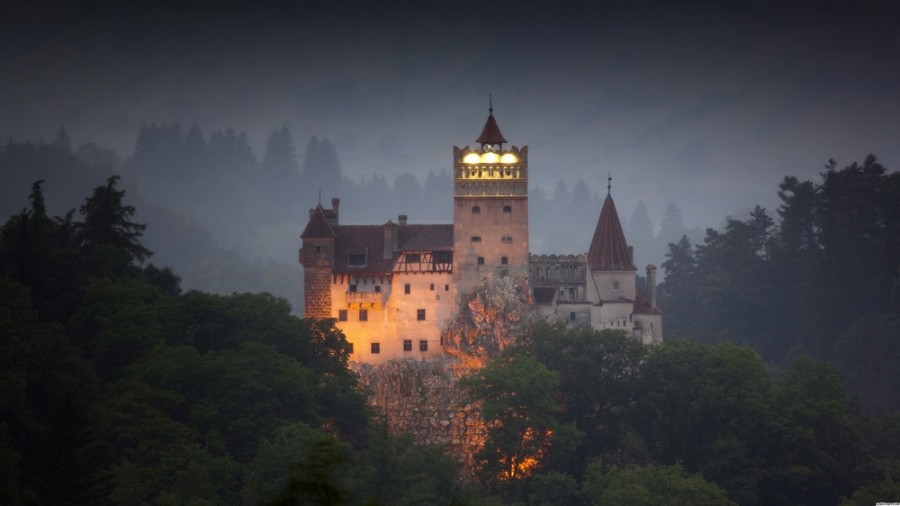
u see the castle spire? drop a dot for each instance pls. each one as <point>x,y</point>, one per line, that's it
<point>490,134</point>
<point>609,250</point>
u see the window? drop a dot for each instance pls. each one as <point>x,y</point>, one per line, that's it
<point>480,260</point>
<point>423,345</point>
<point>377,288</point>
<point>406,289</point>
<point>432,287</point>
<point>356,259</point>
<point>363,315</point>
<point>342,315</point>
<point>376,348</point>
<point>507,209</point>
<point>615,285</point>
<point>476,209</point>
<point>413,258</point>
<point>506,239</point>
<point>352,288</point>
<point>350,347</point>
<point>572,316</point>
<point>407,345</point>
<point>420,314</point>
<point>446,288</point>
<point>318,249</point>
<point>504,260</point>
<point>476,238</point>
<point>443,257</point>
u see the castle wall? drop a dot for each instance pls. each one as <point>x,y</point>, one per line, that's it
<point>422,399</point>
<point>392,315</point>
<point>481,228</point>
<point>317,292</point>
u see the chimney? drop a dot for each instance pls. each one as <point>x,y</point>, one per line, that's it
<point>402,220</point>
<point>631,254</point>
<point>651,284</point>
<point>390,239</point>
<point>335,204</point>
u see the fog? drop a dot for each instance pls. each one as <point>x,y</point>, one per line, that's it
<point>707,106</point>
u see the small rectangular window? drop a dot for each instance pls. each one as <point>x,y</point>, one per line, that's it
<point>356,259</point>
<point>350,347</point>
<point>572,316</point>
<point>342,315</point>
<point>407,345</point>
<point>420,314</point>
<point>413,258</point>
<point>377,288</point>
<point>406,288</point>
<point>432,287</point>
<point>446,288</point>
<point>423,345</point>
<point>353,288</point>
<point>318,249</point>
<point>376,348</point>
<point>363,315</point>
<point>480,260</point>
<point>504,260</point>
<point>507,209</point>
<point>506,239</point>
<point>476,238</point>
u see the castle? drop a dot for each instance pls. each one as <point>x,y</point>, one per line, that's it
<point>394,287</point>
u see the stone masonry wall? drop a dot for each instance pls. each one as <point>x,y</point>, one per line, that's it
<point>317,293</point>
<point>422,399</point>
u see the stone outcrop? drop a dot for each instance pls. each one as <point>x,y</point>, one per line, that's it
<point>422,399</point>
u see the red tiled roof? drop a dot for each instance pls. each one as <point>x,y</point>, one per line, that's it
<point>490,134</point>
<point>363,240</point>
<point>609,251</point>
<point>642,303</point>
<point>317,227</point>
<point>426,237</point>
<point>369,240</point>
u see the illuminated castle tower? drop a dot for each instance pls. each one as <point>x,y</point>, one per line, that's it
<point>490,208</point>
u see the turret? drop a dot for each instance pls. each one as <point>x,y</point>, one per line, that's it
<point>317,259</point>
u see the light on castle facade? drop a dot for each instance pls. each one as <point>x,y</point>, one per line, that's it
<point>393,288</point>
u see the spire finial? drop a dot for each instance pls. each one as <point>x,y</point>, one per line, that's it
<point>490,104</point>
<point>320,197</point>
<point>609,184</point>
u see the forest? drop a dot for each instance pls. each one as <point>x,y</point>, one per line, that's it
<point>228,219</point>
<point>777,384</point>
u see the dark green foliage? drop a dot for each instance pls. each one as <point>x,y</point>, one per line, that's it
<point>116,388</point>
<point>820,282</point>
<point>649,486</point>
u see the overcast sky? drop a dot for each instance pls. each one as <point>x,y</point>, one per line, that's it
<point>708,104</point>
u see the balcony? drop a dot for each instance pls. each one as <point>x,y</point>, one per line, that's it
<point>365,298</point>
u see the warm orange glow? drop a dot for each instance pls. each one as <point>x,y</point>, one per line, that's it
<point>508,158</point>
<point>490,157</point>
<point>524,467</point>
<point>471,158</point>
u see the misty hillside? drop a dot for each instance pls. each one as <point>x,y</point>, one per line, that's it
<point>228,218</point>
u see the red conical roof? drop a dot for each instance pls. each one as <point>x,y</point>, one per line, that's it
<point>490,134</point>
<point>318,226</point>
<point>609,251</point>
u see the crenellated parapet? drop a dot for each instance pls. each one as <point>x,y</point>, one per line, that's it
<point>490,171</point>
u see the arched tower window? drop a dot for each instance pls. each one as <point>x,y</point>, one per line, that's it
<point>507,209</point>
<point>476,209</point>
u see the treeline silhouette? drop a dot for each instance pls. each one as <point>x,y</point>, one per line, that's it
<point>118,388</point>
<point>823,280</point>
<point>228,219</point>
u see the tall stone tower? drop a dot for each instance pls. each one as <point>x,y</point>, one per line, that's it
<point>317,258</point>
<point>490,208</point>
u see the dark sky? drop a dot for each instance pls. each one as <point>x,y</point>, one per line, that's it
<point>708,104</point>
